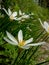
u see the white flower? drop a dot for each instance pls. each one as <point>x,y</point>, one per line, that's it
<point>45,25</point>
<point>21,43</point>
<point>23,15</point>
<point>11,15</point>
<point>14,15</point>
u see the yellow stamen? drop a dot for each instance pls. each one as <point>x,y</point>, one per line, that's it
<point>21,43</point>
<point>11,17</point>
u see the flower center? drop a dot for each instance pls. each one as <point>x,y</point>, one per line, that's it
<point>48,28</point>
<point>11,17</point>
<point>21,43</point>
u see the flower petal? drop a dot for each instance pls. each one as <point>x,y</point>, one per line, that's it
<point>41,22</point>
<point>14,14</point>
<point>11,42</point>
<point>5,11</point>
<point>20,13</point>
<point>23,13</point>
<point>0,6</point>
<point>25,16</point>
<point>25,47</point>
<point>18,19</point>
<point>36,44</point>
<point>11,37</point>
<point>32,14</point>
<point>9,11</point>
<point>29,41</point>
<point>46,24</point>
<point>20,36</point>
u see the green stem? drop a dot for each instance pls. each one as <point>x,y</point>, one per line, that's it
<point>15,60</point>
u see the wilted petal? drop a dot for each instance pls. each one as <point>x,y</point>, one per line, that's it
<point>20,36</point>
<point>14,14</point>
<point>36,44</point>
<point>9,41</point>
<point>11,37</point>
<point>29,41</point>
<point>9,11</point>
